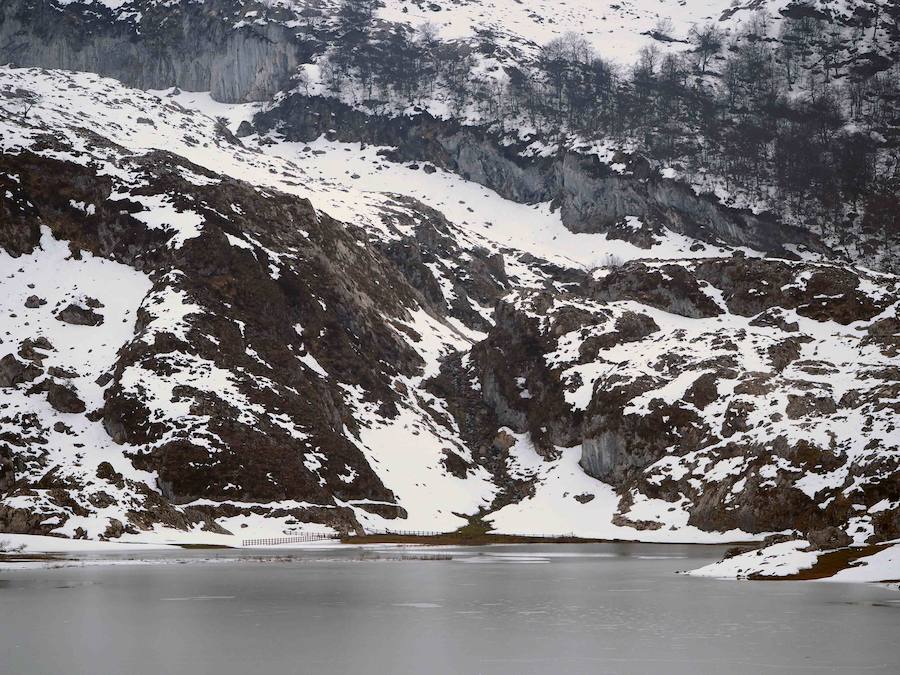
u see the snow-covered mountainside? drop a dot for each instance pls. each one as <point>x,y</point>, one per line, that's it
<point>289,294</point>
<point>785,111</point>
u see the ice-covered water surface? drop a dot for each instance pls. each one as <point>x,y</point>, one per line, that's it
<point>611,608</point>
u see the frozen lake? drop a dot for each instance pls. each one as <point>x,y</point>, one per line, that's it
<point>605,608</point>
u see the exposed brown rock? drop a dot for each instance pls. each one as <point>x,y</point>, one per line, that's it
<point>80,316</point>
<point>668,287</point>
<point>7,468</point>
<point>29,349</point>
<point>810,404</point>
<point>13,371</point>
<point>64,399</point>
<point>828,538</point>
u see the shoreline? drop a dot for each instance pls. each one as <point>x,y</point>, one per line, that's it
<point>841,565</point>
<point>794,560</point>
<point>487,539</point>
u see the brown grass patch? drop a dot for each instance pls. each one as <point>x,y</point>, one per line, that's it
<point>828,564</point>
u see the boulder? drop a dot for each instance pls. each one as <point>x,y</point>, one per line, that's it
<point>810,405</point>
<point>64,399</point>
<point>13,371</point>
<point>29,347</point>
<point>828,538</point>
<point>80,316</point>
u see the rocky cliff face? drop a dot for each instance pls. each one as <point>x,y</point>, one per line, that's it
<point>151,45</point>
<point>591,196</point>
<point>188,350</point>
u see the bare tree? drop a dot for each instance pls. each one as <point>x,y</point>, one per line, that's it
<point>707,41</point>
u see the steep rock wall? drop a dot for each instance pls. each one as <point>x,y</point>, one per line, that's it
<point>191,45</point>
<point>590,195</point>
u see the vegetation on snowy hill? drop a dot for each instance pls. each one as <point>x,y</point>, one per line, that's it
<point>796,112</point>
<point>800,118</point>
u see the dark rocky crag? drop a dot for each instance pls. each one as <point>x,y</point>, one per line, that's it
<point>336,287</point>
<point>280,294</point>
<point>761,448</point>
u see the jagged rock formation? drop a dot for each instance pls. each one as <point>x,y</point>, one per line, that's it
<point>713,387</point>
<point>240,399</point>
<point>248,342</point>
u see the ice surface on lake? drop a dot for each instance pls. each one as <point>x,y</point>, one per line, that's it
<point>604,608</point>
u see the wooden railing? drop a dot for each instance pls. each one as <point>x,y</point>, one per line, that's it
<point>296,539</point>
<point>428,533</point>
<point>325,536</point>
<point>405,533</point>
